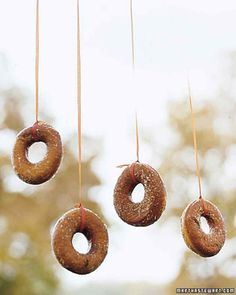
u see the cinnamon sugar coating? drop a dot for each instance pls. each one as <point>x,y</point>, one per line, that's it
<point>37,173</point>
<point>153,204</point>
<point>197,240</point>
<point>93,229</point>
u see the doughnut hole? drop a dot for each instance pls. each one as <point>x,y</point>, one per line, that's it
<point>204,225</point>
<point>130,209</point>
<point>80,243</point>
<point>66,250</point>
<point>138,193</point>
<point>44,169</point>
<point>203,243</point>
<point>37,152</point>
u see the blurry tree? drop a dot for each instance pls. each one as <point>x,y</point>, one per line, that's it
<point>27,213</point>
<point>27,265</point>
<point>216,125</point>
<point>216,135</point>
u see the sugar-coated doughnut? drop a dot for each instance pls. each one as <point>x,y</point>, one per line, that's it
<point>197,240</point>
<point>93,229</point>
<point>36,173</point>
<point>151,207</point>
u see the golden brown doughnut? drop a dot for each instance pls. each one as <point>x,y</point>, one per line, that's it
<point>94,230</point>
<point>151,207</point>
<point>205,245</point>
<point>36,173</point>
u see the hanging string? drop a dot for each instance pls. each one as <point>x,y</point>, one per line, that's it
<point>132,33</point>
<point>133,67</point>
<point>79,105</point>
<point>37,64</point>
<point>195,141</point>
<point>137,136</point>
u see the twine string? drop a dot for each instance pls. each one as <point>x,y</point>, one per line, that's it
<point>131,172</point>
<point>195,147</point>
<point>35,125</point>
<point>132,34</point>
<point>137,136</point>
<point>133,67</point>
<point>195,141</point>
<point>79,123</point>
<point>82,216</point>
<point>37,63</point>
<point>131,166</point>
<point>79,117</point>
<point>34,131</point>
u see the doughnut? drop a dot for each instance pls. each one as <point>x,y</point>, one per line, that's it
<point>93,229</point>
<point>205,245</point>
<point>151,207</point>
<point>37,173</point>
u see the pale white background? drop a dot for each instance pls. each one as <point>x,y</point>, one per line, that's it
<point>173,38</point>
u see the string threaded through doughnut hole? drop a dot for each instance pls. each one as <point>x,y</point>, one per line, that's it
<point>203,244</point>
<point>37,173</point>
<point>132,174</point>
<point>97,236</point>
<point>153,203</point>
<point>34,131</point>
<point>203,204</point>
<point>82,215</point>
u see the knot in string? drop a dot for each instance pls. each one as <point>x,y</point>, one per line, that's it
<point>203,204</point>
<point>131,170</point>
<point>34,131</point>
<point>82,216</point>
